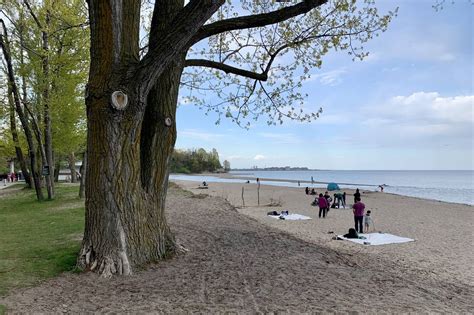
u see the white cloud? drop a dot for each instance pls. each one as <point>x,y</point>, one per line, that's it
<point>287,138</point>
<point>428,107</point>
<point>259,157</point>
<point>420,119</point>
<point>199,135</point>
<point>331,78</point>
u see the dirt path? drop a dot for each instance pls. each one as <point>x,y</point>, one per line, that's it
<point>235,264</point>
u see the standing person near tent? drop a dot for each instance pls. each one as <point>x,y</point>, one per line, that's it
<point>328,199</point>
<point>358,210</point>
<point>356,195</point>
<point>323,205</point>
<point>344,200</point>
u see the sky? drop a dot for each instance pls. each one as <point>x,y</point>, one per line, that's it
<point>407,106</point>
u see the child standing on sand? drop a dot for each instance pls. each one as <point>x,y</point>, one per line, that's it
<point>368,222</point>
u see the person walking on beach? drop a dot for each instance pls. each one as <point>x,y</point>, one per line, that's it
<point>323,205</point>
<point>344,200</point>
<point>356,195</point>
<point>358,210</point>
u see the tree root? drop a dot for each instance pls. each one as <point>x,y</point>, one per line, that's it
<point>106,266</point>
<point>180,249</point>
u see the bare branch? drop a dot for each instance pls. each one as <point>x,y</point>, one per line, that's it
<point>33,14</point>
<point>257,20</point>
<point>226,68</point>
<point>180,31</point>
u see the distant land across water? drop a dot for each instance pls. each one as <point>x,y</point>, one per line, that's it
<point>273,168</point>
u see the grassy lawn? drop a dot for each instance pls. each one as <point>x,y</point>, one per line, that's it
<point>38,240</point>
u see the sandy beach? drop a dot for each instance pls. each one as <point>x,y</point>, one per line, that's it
<point>442,231</point>
<point>242,261</point>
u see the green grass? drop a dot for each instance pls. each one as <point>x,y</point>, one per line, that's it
<point>38,240</point>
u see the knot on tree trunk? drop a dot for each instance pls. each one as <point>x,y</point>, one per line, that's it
<point>119,100</point>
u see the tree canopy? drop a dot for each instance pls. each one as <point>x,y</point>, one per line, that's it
<point>194,161</point>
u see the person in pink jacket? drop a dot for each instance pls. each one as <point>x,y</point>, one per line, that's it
<point>358,210</point>
<point>323,205</point>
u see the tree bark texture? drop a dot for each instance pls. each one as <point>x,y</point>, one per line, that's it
<point>128,149</point>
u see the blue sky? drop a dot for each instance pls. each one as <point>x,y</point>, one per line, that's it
<point>409,105</point>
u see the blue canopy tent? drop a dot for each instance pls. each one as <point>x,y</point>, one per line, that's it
<point>333,186</point>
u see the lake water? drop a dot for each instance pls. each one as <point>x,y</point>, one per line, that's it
<point>450,186</point>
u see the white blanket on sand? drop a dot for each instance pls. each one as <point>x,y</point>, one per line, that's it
<point>377,239</point>
<point>292,216</point>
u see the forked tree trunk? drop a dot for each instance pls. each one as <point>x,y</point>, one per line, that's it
<point>129,143</point>
<point>125,221</point>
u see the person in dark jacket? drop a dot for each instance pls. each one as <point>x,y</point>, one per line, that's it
<point>356,195</point>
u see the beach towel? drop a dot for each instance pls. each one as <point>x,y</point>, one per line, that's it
<point>377,239</point>
<point>291,217</point>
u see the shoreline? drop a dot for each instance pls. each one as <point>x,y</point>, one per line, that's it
<point>262,180</point>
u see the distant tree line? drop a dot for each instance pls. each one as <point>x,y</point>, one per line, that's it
<point>195,161</point>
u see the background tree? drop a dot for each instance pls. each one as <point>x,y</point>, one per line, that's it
<point>50,55</point>
<point>194,161</point>
<point>132,95</point>
<point>226,166</point>
<point>22,114</point>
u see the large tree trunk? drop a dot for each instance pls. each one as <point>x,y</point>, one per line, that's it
<point>129,144</point>
<point>125,223</point>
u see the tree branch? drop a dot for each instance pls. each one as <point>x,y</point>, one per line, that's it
<point>257,20</point>
<point>180,31</point>
<point>33,14</point>
<point>226,68</point>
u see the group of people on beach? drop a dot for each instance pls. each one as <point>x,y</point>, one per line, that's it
<point>339,199</point>
<point>362,220</point>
